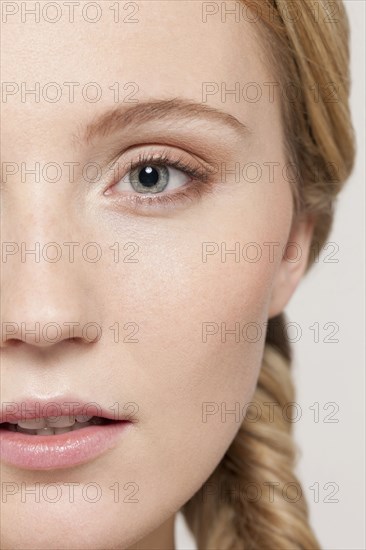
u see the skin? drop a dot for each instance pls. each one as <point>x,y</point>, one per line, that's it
<point>170,373</point>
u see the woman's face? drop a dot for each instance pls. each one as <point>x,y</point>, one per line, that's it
<point>176,296</point>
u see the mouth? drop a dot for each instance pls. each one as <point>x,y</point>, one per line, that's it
<point>49,426</point>
<point>34,441</point>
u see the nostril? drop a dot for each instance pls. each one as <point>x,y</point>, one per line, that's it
<point>10,342</point>
<point>79,340</point>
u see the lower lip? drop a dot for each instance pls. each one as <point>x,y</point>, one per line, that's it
<point>51,452</point>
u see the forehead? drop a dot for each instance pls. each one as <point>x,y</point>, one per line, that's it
<point>138,50</point>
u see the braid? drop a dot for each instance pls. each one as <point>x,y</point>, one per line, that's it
<point>253,499</point>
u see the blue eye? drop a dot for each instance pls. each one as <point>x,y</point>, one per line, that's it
<point>152,178</point>
<point>154,181</point>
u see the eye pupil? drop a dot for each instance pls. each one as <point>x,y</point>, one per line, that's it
<point>148,176</point>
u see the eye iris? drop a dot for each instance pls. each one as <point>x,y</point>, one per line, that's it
<point>151,178</point>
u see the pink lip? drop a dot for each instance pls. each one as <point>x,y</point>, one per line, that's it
<point>47,452</point>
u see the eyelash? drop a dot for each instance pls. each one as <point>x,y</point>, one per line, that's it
<point>198,185</point>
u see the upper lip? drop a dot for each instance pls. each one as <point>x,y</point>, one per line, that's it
<point>29,409</point>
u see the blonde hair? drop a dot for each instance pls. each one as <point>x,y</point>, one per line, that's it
<point>253,501</point>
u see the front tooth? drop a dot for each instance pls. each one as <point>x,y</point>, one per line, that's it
<point>45,431</point>
<point>24,431</point>
<point>61,430</point>
<point>78,425</point>
<point>83,418</point>
<point>61,422</point>
<point>34,424</point>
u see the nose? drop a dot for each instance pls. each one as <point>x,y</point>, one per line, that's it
<point>44,305</point>
<point>46,298</point>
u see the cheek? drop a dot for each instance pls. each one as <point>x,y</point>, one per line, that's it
<point>201,337</point>
<point>199,295</point>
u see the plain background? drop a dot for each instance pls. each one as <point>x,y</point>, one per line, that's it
<point>329,376</point>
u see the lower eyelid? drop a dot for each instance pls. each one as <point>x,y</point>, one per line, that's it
<point>144,204</point>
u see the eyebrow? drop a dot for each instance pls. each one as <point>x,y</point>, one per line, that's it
<point>173,110</point>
